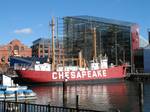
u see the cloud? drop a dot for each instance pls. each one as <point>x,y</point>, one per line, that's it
<point>23,31</point>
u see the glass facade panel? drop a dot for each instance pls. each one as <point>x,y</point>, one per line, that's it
<point>113,40</point>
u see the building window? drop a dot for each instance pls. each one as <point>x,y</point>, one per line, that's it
<point>41,46</point>
<point>22,48</point>
<point>46,51</point>
<point>9,48</point>
<point>16,47</point>
<point>16,50</point>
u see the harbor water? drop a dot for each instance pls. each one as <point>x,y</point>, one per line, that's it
<point>124,96</point>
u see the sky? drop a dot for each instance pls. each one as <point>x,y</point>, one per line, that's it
<point>27,20</point>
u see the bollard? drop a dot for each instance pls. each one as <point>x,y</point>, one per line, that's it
<point>64,94</point>
<point>49,107</point>
<point>141,96</point>
<point>4,106</point>
<point>25,105</point>
<point>77,102</point>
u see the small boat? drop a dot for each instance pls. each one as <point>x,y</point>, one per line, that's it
<point>9,95</point>
<point>11,92</point>
<point>15,93</point>
<point>29,94</point>
<point>20,94</point>
<point>2,96</point>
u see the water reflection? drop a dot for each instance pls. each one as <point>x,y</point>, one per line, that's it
<point>122,96</point>
<point>146,97</point>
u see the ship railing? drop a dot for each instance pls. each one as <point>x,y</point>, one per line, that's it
<point>22,67</point>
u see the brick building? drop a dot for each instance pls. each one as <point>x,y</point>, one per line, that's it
<point>14,48</point>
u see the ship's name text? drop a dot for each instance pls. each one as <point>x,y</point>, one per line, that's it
<point>79,74</point>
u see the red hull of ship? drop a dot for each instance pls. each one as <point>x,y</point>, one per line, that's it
<point>50,76</point>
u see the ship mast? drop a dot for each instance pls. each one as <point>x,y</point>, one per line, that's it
<point>53,47</point>
<point>94,43</point>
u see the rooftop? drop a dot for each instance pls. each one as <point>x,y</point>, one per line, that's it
<point>103,20</point>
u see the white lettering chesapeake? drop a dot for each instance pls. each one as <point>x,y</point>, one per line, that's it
<point>72,75</point>
<point>61,75</point>
<point>104,73</point>
<point>78,74</point>
<point>89,73</point>
<point>99,73</point>
<point>94,74</point>
<point>83,74</point>
<point>54,75</point>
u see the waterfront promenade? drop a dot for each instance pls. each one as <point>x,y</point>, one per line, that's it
<point>138,76</point>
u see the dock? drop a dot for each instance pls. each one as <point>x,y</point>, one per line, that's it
<point>138,76</point>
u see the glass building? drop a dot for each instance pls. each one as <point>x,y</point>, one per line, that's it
<point>116,39</point>
<point>42,47</point>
